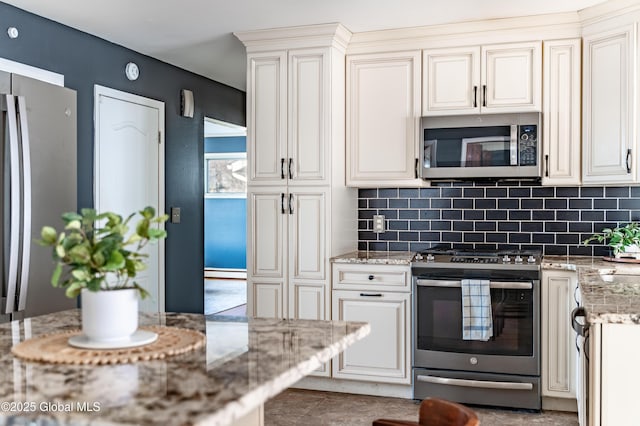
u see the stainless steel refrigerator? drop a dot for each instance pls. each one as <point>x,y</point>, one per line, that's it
<point>37,184</point>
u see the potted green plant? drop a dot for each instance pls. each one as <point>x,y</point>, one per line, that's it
<point>98,257</point>
<point>623,240</point>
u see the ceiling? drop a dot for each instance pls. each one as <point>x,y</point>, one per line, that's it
<point>197,34</point>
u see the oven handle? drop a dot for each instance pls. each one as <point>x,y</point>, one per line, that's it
<point>485,384</point>
<point>515,285</point>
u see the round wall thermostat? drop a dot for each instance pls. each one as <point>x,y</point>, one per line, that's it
<point>13,32</point>
<point>132,72</point>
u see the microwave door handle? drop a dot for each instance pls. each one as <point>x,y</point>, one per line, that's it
<point>510,285</point>
<point>513,146</point>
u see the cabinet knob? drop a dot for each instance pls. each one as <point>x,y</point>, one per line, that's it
<point>371,277</point>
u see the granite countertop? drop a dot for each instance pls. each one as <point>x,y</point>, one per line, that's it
<point>376,257</point>
<point>610,290</point>
<point>245,363</point>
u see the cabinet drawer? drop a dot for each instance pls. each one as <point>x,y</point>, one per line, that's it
<point>367,277</point>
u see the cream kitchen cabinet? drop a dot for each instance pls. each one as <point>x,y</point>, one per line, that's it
<point>613,374</point>
<point>385,355</point>
<point>609,87</point>
<point>561,142</point>
<point>297,201</point>
<point>287,254</point>
<point>383,112</point>
<point>288,116</point>
<point>558,339</point>
<point>482,79</point>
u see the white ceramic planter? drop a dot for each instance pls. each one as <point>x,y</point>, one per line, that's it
<point>631,251</point>
<point>109,316</point>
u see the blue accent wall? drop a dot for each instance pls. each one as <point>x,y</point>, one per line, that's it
<point>225,219</point>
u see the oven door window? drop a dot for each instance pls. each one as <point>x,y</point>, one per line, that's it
<point>439,322</point>
<point>468,147</point>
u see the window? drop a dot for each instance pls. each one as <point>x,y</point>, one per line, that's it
<point>225,175</point>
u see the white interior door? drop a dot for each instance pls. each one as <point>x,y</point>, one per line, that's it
<point>129,170</point>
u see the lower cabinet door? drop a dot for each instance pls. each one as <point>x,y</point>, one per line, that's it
<point>308,300</point>
<point>384,355</point>
<point>265,299</point>
<point>558,345</point>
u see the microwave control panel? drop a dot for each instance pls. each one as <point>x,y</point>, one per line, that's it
<point>528,145</point>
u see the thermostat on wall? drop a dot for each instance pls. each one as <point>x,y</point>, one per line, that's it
<point>131,71</point>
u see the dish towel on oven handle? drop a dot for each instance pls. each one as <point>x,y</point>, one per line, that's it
<point>477,323</point>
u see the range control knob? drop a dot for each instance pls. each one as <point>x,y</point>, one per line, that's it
<point>430,258</point>
<point>473,360</point>
<point>518,259</point>
<point>531,259</point>
<point>418,256</point>
<point>506,259</point>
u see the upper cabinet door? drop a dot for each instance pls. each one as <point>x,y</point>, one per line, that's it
<point>608,89</point>
<point>267,117</point>
<point>561,112</point>
<point>309,107</point>
<point>383,111</point>
<point>451,79</point>
<point>511,77</point>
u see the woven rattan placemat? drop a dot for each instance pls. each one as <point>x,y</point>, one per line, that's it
<point>53,348</point>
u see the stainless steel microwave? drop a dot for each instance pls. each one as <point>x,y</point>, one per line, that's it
<point>481,147</point>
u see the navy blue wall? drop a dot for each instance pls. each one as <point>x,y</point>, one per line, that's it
<point>86,60</point>
<point>225,219</point>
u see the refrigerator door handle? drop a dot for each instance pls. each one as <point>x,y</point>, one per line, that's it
<point>14,219</point>
<point>26,205</point>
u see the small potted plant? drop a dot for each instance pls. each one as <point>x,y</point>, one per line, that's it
<point>624,240</point>
<point>98,257</point>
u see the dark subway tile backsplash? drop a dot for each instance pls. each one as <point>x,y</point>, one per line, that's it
<point>505,215</point>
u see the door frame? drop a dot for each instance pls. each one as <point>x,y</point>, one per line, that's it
<point>159,105</point>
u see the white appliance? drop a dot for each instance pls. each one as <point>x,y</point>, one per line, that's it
<point>38,184</point>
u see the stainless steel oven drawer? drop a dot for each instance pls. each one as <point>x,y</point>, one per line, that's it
<point>478,388</point>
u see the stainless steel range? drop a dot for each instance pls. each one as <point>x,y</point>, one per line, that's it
<point>503,370</point>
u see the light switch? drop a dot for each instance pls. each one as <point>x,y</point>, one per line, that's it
<point>378,223</point>
<point>175,214</point>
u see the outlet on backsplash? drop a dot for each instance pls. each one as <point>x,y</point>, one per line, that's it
<point>378,224</point>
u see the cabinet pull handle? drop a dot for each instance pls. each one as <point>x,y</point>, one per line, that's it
<point>290,170</point>
<point>371,294</point>
<point>484,95</point>
<point>290,203</point>
<point>546,160</point>
<point>282,209</point>
<point>282,168</point>
<point>416,168</point>
<point>371,277</point>
<point>629,160</point>
<point>475,96</point>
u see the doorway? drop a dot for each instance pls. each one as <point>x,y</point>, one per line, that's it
<point>225,218</point>
<point>129,171</point>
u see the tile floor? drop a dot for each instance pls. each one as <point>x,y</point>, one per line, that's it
<point>296,407</point>
<point>224,295</point>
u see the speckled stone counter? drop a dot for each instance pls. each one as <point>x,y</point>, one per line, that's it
<point>610,290</point>
<point>244,364</point>
<point>376,257</point>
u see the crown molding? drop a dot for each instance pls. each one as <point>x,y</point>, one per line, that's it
<point>535,27</point>
<point>322,35</point>
<point>607,10</point>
